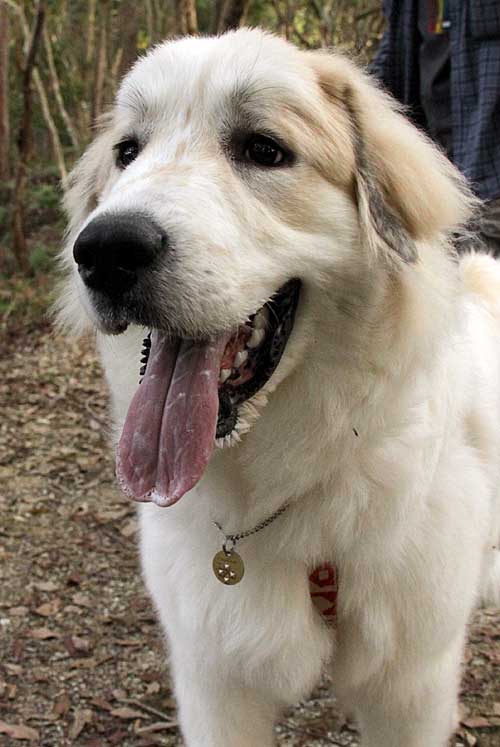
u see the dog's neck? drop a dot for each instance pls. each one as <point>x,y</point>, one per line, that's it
<point>336,428</point>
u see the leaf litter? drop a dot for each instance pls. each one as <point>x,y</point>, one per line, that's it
<point>82,661</point>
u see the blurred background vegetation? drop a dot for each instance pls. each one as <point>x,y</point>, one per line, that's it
<point>60,64</point>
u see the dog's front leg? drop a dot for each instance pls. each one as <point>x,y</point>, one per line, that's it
<point>218,711</point>
<point>413,710</point>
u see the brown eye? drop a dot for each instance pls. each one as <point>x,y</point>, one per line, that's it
<point>264,151</point>
<point>128,151</point>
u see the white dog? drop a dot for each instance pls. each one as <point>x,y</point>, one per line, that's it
<point>322,375</point>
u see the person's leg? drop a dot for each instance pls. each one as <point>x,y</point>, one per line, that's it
<point>489,227</point>
<point>483,231</point>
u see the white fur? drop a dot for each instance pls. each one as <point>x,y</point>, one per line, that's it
<point>407,354</point>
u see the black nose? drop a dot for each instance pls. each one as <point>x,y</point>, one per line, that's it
<point>113,249</point>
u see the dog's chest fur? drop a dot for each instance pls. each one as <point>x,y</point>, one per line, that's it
<point>358,505</point>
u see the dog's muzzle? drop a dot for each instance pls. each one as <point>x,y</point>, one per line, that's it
<point>114,249</point>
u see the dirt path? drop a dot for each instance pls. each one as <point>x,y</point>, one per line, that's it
<point>81,657</point>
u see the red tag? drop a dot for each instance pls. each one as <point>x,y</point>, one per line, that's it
<point>323,587</point>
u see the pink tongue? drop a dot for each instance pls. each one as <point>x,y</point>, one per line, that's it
<point>169,432</point>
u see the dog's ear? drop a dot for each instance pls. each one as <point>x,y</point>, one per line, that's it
<point>406,190</point>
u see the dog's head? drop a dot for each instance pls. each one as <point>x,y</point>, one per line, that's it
<point>233,176</point>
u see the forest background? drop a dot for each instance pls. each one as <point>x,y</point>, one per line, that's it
<point>60,64</point>
<point>82,662</point>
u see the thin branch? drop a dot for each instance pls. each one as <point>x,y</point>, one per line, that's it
<point>56,88</point>
<point>147,708</point>
<point>366,13</point>
<point>51,126</point>
<point>19,245</point>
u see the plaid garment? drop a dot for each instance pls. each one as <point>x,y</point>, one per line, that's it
<point>475,81</point>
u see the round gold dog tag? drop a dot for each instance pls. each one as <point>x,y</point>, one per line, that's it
<point>228,567</point>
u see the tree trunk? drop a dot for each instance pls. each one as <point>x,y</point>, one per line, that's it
<point>89,53</point>
<point>4,95</point>
<point>187,20</point>
<point>127,30</point>
<point>49,121</point>
<point>115,67</point>
<point>233,14</point>
<point>102,63</point>
<point>150,28</point>
<point>51,126</point>
<point>20,247</point>
<point>56,88</point>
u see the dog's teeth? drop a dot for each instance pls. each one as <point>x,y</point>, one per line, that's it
<point>261,319</point>
<point>256,338</point>
<point>224,375</point>
<point>240,358</point>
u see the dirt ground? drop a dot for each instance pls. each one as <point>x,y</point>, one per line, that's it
<point>82,661</point>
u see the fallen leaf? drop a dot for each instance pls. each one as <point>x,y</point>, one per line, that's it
<point>76,646</point>
<point>42,634</point>
<point>82,600</point>
<point>150,676</point>
<point>127,713</point>
<point>476,722</point>
<point>153,688</point>
<point>84,662</point>
<point>157,726</point>
<point>18,649</point>
<point>169,703</point>
<point>61,706</point>
<point>83,716</point>
<point>13,669</point>
<point>463,711</point>
<point>103,516</point>
<point>18,731</point>
<point>49,608</point>
<point>493,656</point>
<point>72,609</point>
<point>117,736</point>
<point>129,528</point>
<point>18,611</point>
<point>46,585</point>
<point>102,703</point>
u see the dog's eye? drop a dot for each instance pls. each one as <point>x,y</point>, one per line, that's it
<point>264,151</point>
<point>128,150</point>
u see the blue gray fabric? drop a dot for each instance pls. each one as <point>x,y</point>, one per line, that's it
<point>434,70</point>
<point>474,84</point>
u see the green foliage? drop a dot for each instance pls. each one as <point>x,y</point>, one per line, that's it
<point>24,301</point>
<point>4,215</point>
<point>45,197</point>
<point>41,259</point>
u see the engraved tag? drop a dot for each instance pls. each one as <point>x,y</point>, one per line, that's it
<point>228,567</point>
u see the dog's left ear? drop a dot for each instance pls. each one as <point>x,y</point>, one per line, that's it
<point>406,189</point>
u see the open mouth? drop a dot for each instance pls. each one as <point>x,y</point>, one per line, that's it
<point>252,354</point>
<point>190,395</point>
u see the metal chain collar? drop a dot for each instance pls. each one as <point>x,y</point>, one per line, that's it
<point>236,537</point>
